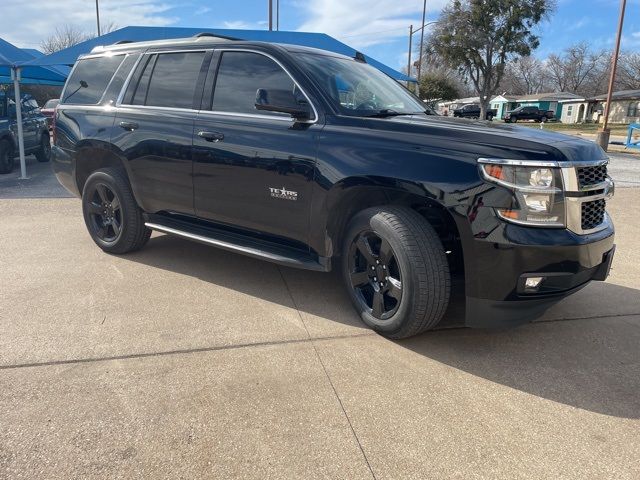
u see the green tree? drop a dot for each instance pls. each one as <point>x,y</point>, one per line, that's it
<point>479,37</point>
<point>435,87</point>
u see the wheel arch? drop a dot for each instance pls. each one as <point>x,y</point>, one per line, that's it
<point>91,156</point>
<point>354,194</point>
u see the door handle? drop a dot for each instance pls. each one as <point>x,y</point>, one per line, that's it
<point>211,136</point>
<point>131,126</point>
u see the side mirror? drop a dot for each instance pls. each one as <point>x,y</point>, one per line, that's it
<point>282,101</point>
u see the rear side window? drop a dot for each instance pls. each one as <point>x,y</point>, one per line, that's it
<point>89,79</point>
<point>241,74</point>
<point>167,80</point>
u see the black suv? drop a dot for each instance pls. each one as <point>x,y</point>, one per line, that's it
<point>315,160</point>
<point>34,130</point>
<point>528,113</point>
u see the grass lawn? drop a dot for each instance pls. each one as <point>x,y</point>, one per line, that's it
<point>616,129</point>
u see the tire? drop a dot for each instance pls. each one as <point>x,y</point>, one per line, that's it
<point>6,157</point>
<point>111,214</point>
<point>43,154</point>
<point>513,119</point>
<point>411,279</point>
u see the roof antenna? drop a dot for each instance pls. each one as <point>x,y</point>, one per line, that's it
<point>360,57</point>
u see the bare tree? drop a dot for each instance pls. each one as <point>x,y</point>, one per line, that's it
<point>578,70</point>
<point>479,37</point>
<point>68,35</point>
<point>628,73</point>
<point>524,76</point>
<point>65,36</point>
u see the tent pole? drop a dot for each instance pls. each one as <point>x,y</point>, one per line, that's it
<point>15,73</point>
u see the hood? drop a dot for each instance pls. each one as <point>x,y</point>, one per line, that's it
<point>477,138</point>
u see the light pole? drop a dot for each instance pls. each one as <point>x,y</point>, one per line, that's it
<point>270,15</point>
<point>410,44</point>
<point>98,17</point>
<point>412,32</point>
<point>424,13</point>
<point>603,135</point>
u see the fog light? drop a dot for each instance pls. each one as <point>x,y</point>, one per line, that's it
<point>533,283</point>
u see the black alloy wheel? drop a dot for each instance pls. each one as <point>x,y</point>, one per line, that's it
<point>105,212</point>
<point>44,153</point>
<point>375,275</point>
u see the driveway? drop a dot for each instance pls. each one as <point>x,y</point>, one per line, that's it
<point>183,361</point>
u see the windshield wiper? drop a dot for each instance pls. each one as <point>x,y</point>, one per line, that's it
<point>386,112</point>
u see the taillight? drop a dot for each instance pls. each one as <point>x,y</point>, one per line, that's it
<point>53,125</point>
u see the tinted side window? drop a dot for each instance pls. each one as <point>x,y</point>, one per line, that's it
<point>241,74</point>
<point>89,79</point>
<point>173,80</point>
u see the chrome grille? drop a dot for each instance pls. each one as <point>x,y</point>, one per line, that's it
<point>589,176</point>
<point>592,214</point>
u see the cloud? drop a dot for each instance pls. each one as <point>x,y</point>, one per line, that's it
<point>27,23</point>
<point>363,23</point>
<point>237,25</point>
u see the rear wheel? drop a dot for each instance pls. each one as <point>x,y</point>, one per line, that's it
<point>111,213</point>
<point>395,271</point>
<point>6,157</point>
<point>44,152</point>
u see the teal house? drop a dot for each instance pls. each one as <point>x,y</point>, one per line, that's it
<point>544,101</point>
<point>502,104</point>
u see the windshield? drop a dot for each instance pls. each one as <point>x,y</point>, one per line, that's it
<point>358,89</point>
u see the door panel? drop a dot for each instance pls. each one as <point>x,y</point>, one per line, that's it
<point>258,176</point>
<point>157,146</point>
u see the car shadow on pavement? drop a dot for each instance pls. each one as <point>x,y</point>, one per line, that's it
<point>591,360</point>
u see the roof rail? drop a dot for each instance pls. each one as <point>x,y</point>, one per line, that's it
<point>213,35</point>
<point>359,56</point>
<point>120,42</point>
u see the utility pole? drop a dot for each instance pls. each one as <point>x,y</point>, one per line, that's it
<point>604,133</point>
<point>410,43</point>
<point>98,17</point>
<point>278,15</point>
<point>424,14</point>
<point>270,15</point>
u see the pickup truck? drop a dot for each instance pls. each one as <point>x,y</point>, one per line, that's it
<point>472,110</point>
<point>34,129</point>
<point>315,160</point>
<point>528,113</point>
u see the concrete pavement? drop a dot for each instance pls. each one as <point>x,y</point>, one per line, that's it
<point>183,361</point>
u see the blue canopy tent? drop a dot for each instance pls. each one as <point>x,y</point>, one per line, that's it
<point>68,56</point>
<point>13,70</point>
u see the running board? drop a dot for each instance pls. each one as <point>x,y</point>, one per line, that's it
<point>245,246</point>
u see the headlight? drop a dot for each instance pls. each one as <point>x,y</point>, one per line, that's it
<point>538,198</point>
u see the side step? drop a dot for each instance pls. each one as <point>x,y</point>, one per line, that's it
<point>245,245</point>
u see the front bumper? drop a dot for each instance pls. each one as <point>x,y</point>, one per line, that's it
<point>567,262</point>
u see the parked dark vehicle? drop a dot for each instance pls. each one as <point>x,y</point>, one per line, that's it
<point>34,130</point>
<point>49,109</point>
<point>528,113</point>
<point>315,160</point>
<point>472,110</point>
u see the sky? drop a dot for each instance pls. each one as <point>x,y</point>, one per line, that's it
<point>379,28</point>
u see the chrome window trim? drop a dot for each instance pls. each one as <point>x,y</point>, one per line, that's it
<point>247,115</point>
<point>313,107</point>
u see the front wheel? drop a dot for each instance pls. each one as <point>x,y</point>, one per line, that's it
<point>44,152</point>
<point>6,157</point>
<point>513,119</point>
<point>111,213</point>
<point>395,270</point>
